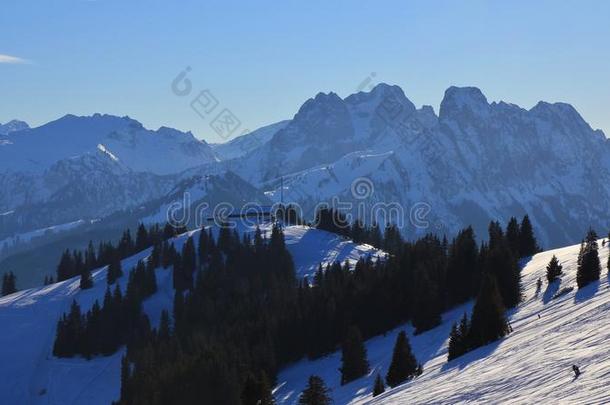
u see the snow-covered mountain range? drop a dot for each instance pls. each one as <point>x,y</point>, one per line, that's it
<point>473,162</point>
<point>89,167</point>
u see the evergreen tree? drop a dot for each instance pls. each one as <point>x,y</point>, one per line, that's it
<point>553,269</point>
<point>358,231</point>
<point>142,238</point>
<point>331,220</point>
<point>114,269</point>
<point>458,338</point>
<point>203,247</point>
<point>354,363</point>
<point>589,266</point>
<point>374,235</point>
<point>488,321</point>
<point>454,348</point>
<point>257,390</point>
<point>404,365</point>
<point>86,281</point>
<point>462,267</point>
<point>513,236</point>
<point>225,240</point>
<point>90,259</point>
<point>503,265</point>
<point>392,241</point>
<point>65,268</point>
<point>316,393</point>
<point>528,246</point>
<point>496,235</point>
<point>379,386</point>
<point>9,283</point>
<point>427,303</point>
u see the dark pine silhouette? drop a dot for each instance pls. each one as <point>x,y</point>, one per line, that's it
<point>316,393</point>
<point>404,365</point>
<point>589,266</point>
<point>379,386</point>
<point>553,269</point>
<point>354,363</point>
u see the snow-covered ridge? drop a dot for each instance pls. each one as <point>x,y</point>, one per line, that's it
<point>244,144</point>
<point>163,151</point>
<point>30,374</point>
<point>531,365</point>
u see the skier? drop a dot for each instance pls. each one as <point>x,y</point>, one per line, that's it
<point>576,370</point>
<point>538,316</point>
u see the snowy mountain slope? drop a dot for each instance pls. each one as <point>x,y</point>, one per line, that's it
<point>531,365</point>
<point>89,186</point>
<point>474,162</point>
<point>83,167</point>
<point>30,374</point>
<point>193,200</point>
<point>244,144</point>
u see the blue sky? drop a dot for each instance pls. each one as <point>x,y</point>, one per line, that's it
<point>262,60</point>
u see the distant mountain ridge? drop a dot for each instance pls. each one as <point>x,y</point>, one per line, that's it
<point>163,151</point>
<point>473,162</point>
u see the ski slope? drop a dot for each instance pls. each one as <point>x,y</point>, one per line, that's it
<point>29,374</point>
<point>531,365</point>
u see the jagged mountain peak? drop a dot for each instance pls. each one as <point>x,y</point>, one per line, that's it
<point>460,100</point>
<point>384,95</point>
<point>322,101</point>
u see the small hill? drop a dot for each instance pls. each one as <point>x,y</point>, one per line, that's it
<point>29,373</point>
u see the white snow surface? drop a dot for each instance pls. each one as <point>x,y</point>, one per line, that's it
<point>30,374</point>
<point>531,365</point>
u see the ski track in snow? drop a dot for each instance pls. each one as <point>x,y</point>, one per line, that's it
<point>29,374</point>
<point>531,365</point>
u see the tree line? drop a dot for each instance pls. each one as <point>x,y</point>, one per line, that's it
<point>81,263</point>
